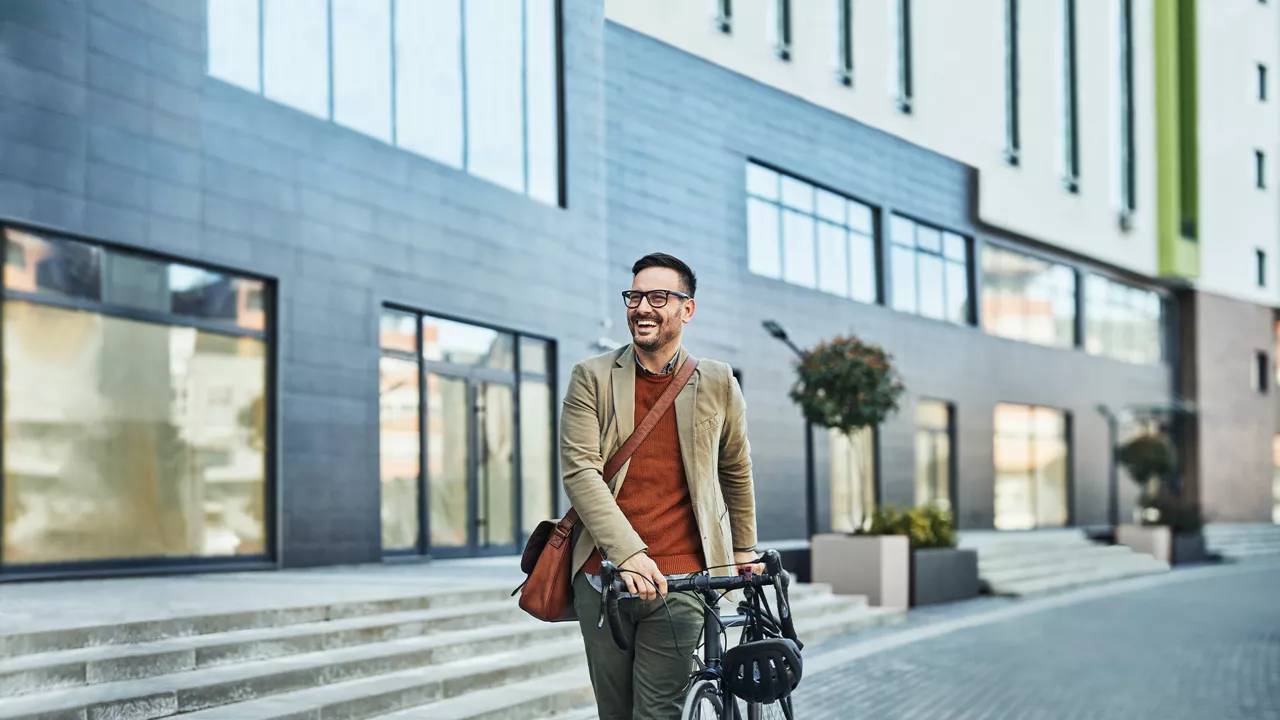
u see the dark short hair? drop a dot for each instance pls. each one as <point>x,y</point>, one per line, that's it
<point>663,260</point>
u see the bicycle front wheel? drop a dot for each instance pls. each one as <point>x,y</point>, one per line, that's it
<point>703,703</point>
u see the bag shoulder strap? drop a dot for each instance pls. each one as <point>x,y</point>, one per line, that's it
<point>650,421</point>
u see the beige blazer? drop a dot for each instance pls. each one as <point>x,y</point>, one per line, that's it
<point>598,414</point>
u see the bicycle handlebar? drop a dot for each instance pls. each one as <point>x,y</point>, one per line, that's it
<point>615,590</point>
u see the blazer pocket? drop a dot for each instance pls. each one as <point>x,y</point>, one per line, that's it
<point>706,425</point>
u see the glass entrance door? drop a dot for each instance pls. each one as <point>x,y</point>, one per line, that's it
<point>471,491</point>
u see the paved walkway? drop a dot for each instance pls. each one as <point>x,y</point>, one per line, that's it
<point>1199,644</point>
<point>29,607</point>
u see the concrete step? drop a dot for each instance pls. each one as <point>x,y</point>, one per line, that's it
<point>150,630</point>
<point>554,664</point>
<point>1100,553</point>
<point>553,695</point>
<point>1060,582</point>
<point>1118,558</point>
<point>186,692</point>
<point>997,542</point>
<point>26,674</point>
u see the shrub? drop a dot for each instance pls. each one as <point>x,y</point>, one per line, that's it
<point>1147,457</point>
<point>925,527</point>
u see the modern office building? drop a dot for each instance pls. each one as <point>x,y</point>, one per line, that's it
<point>298,282</point>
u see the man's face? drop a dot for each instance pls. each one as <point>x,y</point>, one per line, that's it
<point>654,328</point>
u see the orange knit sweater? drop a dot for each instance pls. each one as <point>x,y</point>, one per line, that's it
<point>655,497</point>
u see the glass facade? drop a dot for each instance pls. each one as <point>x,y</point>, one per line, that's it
<point>135,396</point>
<point>1031,456</point>
<point>930,271</point>
<point>1123,322</point>
<point>808,236</point>
<point>1025,298</point>
<point>853,478</point>
<point>473,84</point>
<point>467,433</point>
<point>933,454</point>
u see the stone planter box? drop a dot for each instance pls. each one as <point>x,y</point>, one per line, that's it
<point>1189,548</point>
<point>940,575</point>
<point>878,566</point>
<point>1154,540</point>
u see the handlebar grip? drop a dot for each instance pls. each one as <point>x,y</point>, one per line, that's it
<point>612,587</point>
<point>781,584</point>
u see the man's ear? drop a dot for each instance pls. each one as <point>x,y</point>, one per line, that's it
<point>687,311</point>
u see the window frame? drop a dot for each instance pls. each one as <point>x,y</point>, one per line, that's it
<point>269,335</point>
<point>782,29</point>
<point>723,16</point>
<point>949,432</point>
<point>1164,352</point>
<point>844,42</point>
<point>1070,99</point>
<point>1012,80</point>
<point>1260,169</point>
<point>969,266</point>
<point>905,99</point>
<point>1260,256</point>
<point>473,373</point>
<point>1128,140</point>
<point>1262,81</point>
<point>873,236</point>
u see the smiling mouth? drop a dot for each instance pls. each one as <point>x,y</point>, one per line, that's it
<point>646,325</point>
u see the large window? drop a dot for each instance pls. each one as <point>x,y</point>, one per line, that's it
<point>844,41</point>
<point>809,236</point>
<point>473,84</point>
<point>906,80</point>
<point>930,271</point>
<point>1122,321</point>
<point>934,459</point>
<point>1025,298</point>
<point>1128,149</point>
<point>853,478</point>
<point>1031,455</point>
<point>135,406</point>
<point>467,432</point>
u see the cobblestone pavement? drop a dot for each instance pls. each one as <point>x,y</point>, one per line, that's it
<point>1206,648</point>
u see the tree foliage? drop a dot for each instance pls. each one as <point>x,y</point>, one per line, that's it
<point>847,384</point>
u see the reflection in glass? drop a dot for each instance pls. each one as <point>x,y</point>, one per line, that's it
<point>127,439</point>
<point>1123,322</point>
<point>52,266</point>
<point>362,66</point>
<point>398,331</point>
<point>495,92</point>
<point>536,443</point>
<point>932,286</point>
<point>933,454</point>
<point>862,261</point>
<point>448,460</point>
<point>466,344</point>
<point>1031,467</point>
<point>833,263</point>
<point>763,249</point>
<point>541,98</point>
<point>295,48</point>
<point>904,279</point>
<point>853,483</point>
<point>429,79</point>
<point>495,469</point>
<point>798,263</point>
<point>534,356</point>
<point>957,293</point>
<point>233,42</point>
<point>762,182</point>
<point>400,447</point>
<point>1029,299</point>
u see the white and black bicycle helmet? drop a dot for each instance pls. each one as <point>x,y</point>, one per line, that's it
<point>762,671</point>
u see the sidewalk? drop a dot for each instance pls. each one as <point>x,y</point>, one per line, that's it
<point>38,606</point>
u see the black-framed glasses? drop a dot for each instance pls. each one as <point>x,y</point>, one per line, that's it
<point>657,298</point>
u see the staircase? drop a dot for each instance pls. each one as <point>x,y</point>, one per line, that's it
<point>438,656</point>
<point>1242,541</point>
<point>1045,561</point>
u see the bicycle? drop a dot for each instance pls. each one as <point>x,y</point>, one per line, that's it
<point>763,669</point>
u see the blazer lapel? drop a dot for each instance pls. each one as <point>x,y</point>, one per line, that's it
<point>684,406</point>
<point>623,386</point>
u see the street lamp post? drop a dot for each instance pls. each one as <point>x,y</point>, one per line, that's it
<point>810,483</point>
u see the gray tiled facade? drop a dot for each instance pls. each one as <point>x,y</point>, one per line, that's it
<point>110,128</point>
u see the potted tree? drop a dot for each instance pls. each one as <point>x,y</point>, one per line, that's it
<point>1148,458</point>
<point>848,384</point>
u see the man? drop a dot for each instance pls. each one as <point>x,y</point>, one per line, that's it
<point>682,503</point>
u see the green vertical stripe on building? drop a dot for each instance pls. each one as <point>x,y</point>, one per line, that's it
<point>1177,146</point>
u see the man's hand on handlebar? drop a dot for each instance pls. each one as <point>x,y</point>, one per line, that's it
<point>636,569</point>
<point>746,562</point>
